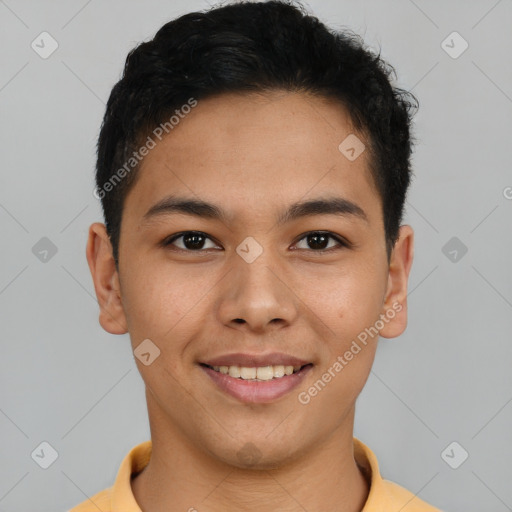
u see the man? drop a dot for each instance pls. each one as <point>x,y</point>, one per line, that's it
<point>253,167</point>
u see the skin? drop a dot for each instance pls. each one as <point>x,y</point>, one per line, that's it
<point>253,155</point>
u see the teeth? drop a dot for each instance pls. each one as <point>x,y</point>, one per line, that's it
<point>259,373</point>
<point>279,371</point>
<point>247,373</point>
<point>234,371</point>
<point>265,373</point>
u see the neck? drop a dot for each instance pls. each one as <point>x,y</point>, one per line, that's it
<point>181,478</point>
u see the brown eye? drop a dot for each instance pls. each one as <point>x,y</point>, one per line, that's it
<point>190,241</point>
<point>197,241</point>
<point>319,241</point>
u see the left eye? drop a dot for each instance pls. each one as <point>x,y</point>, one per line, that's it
<point>194,241</point>
<point>319,240</point>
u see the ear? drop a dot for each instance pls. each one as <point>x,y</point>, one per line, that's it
<point>395,303</point>
<point>106,280</point>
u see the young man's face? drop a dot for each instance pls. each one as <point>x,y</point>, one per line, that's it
<point>253,285</point>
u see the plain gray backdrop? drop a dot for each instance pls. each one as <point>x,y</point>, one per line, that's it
<point>448,378</point>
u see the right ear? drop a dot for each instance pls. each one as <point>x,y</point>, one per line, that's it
<point>106,279</point>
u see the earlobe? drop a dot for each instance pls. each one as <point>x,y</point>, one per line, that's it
<point>106,280</point>
<point>395,303</point>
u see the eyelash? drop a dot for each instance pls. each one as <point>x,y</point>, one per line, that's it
<point>342,243</point>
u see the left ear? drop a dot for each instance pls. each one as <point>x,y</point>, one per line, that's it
<point>395,303</point>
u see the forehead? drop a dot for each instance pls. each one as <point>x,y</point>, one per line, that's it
<point>249,150</point>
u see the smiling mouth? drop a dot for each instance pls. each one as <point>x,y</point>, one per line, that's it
<point>257,373</point>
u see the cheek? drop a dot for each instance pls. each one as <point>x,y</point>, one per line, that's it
<point>347,299</point>
<point>156,301</point>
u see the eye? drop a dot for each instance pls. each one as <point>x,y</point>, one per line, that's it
<point>194,241</point>
<point>191,241</point>
<point>319,241</point>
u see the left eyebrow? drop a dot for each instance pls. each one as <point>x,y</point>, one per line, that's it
<point>330,206</point>
<point>198,208</point>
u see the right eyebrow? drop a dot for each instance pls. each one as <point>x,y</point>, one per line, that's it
<point>173,204</point>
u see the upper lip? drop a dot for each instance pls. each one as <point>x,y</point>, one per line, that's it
<point>255,360</point>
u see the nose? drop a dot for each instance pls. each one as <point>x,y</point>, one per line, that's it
<point>256,296</point>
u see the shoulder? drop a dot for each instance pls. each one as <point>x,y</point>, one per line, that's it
<point>385,495</point>
<point>100,501</point>
<point>409,502</point>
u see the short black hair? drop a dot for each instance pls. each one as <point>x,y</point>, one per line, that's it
<point>254,47</point>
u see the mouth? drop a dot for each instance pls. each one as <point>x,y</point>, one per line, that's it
<point>257,373</point>
<point>257,383</point>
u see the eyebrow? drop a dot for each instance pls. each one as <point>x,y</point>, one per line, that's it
<point>198,208</point>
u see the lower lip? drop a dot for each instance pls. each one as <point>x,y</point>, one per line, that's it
<point>257,391</point>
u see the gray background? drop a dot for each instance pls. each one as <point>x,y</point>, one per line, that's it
<point>447,378</point>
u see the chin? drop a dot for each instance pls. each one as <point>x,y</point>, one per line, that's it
<point>256,454</point>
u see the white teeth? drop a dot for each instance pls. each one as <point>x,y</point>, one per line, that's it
<point>265,373</point>
<point>234,371</point>
<point>259,373</point>
<point>247,373</point>
<point>279,371</point>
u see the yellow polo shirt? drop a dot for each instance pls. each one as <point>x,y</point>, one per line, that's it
<point>384,496</point>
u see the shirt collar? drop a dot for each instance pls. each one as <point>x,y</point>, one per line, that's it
<point>134,462</point>
<point>138,457</point>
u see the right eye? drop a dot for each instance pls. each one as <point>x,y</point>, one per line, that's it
<point>192,241</point>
